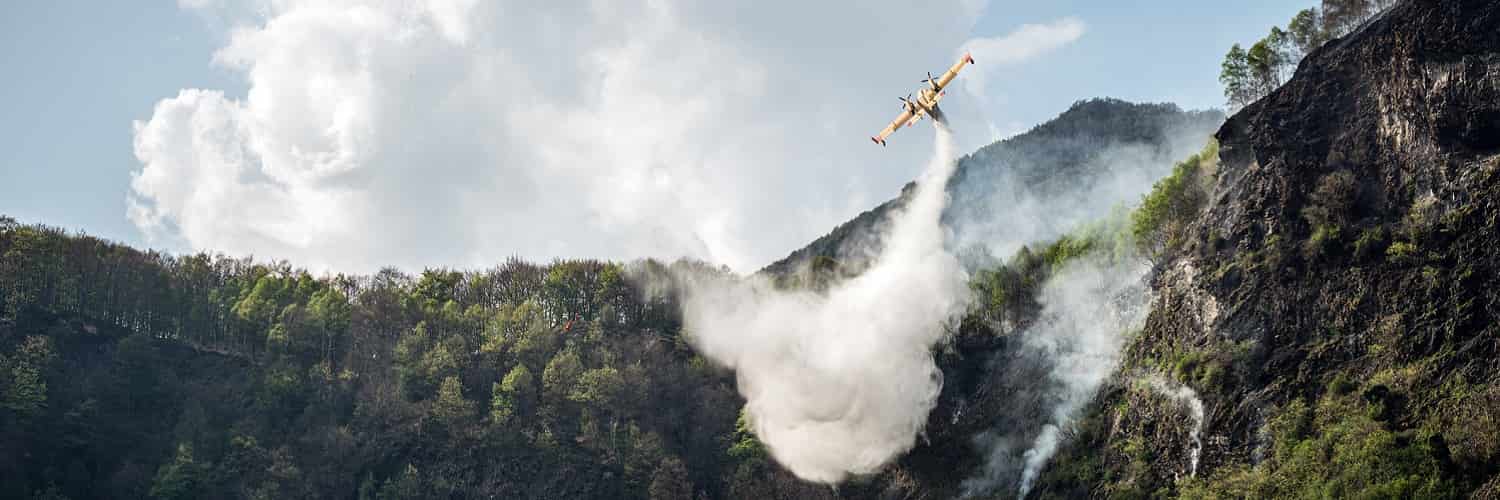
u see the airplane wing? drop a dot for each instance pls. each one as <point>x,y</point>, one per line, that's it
<point>915,117</point>
<point>942,81</point>
<point>903,119</point>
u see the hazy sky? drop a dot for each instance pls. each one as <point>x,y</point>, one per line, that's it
<point>348,135</point>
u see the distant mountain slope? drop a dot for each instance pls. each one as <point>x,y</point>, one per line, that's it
<point>1098,152</point>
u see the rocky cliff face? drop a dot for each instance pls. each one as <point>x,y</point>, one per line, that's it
<point>1336,302</point>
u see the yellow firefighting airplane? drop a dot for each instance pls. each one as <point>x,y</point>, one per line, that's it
<point>926,102</point>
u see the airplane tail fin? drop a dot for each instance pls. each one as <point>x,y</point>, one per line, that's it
<point>969,58</point>
<point>878,141</point>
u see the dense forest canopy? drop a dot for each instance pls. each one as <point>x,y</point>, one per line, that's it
<point>132,373</point>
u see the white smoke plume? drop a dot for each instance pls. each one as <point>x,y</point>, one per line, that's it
<point>1087,309</point>
<point>1187,397</point>
<point>840,382</point>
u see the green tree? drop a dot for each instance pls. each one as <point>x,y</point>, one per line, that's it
<point>283,392</point>
<point>329,313</point>
<point>405,486</point>
<point>181,478</point>
<point>25,388</point>
<point>561,374</point>
<point>442,360</point>
<point>412,362</point>
<point>502,405</point>
<point>538,339</point>
<point>437,286</point>
<point>1267,61</point>
<point>644,452</point>
<point>496,337</point>
<point>1342,16</point>
<point>244,464</point>
<point>1306,31</point>
<point>450,408</point>
<point>519,382</point>
<point>671,481</point>
<point>1234,73</point>
<point>512,396</point>
<point>599,387</point>
<point>746,447</point>
<point>1161,221</point>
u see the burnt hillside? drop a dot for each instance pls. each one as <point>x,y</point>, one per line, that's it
<point>1335,303</point>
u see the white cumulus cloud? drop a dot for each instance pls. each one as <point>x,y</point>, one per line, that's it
<point>457,133</point>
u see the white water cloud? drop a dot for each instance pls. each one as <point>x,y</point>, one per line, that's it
<point>840,383</point>
<point>458,133</point>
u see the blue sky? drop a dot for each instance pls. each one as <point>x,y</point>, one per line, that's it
<point>1139,51</point>
<point>81,72</point>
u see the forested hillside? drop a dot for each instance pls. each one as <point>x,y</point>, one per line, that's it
<point>143,374</point>
<point>1315,291</point>
<point>131,374</point>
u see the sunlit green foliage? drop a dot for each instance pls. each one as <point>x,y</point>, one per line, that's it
<point>23,383</point>
<point>450,408</point>
<point>207,377</point>
<point>180,479</point>
<point>1334,449</point>
<point>1248,75</point>
<point>746,447</point>
<point>1161,221</point>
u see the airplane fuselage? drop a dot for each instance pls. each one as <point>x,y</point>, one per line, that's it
<point>928,99</point>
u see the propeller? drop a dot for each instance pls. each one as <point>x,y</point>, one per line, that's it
<point>930,81</point>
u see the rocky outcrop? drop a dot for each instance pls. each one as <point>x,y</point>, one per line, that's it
<point>1348,253</point>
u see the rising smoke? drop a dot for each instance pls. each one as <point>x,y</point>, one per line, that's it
<point>1088,307</point>
<point>1073,347</point>
<point>840,382</point>
<point>1188,398</point>
<point>1086,311</point>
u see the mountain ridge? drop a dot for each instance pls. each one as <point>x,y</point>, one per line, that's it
<point>1037,162</point>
